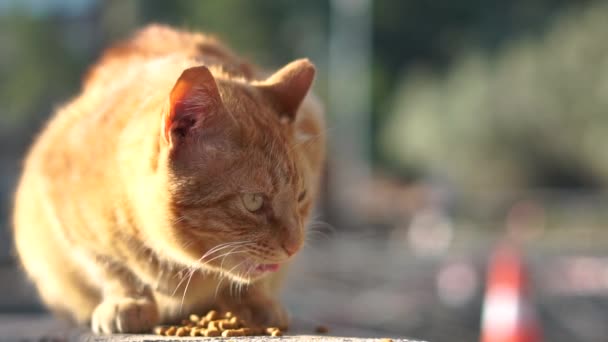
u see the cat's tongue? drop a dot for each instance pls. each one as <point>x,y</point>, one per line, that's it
<point>267,267</point>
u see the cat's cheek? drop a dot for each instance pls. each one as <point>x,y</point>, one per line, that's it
<point>168,244</point>
<point>188,247</point>
<point>304,210</point>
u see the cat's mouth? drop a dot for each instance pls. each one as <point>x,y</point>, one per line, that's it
<point>263,268</point>
<point>252,269</point>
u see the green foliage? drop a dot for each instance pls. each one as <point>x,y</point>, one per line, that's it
<point>36,66</point>
<point>531,115</point>
<point>433,34</point>
<point>269,32</point>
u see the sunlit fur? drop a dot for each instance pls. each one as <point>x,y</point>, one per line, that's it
<point>108,211</point>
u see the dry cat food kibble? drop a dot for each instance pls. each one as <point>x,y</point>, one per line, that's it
<point>213,325</point>
<point>321,329</point>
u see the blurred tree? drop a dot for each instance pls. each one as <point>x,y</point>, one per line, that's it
<point>269,32</point>
<point>531,115</point>
<point>37,68</point>
<point>427,34</point>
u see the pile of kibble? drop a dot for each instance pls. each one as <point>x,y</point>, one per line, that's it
<point>214,324</point>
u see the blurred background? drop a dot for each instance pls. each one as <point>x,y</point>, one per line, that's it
<point>453,127</point>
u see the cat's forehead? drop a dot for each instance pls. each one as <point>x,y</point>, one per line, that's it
<point>237,94</point>
<point>273,161</point>
<point>247,102</point>
<point>265,142</point>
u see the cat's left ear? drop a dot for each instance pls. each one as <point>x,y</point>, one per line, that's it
<point>193,102</point>
<point>288,86</point>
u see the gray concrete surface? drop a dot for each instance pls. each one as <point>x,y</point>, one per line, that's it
<point>298,338</point>
<point>44,328</point>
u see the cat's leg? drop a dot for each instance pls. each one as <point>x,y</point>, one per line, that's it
<point>127,306</point>
<point>257,303</point>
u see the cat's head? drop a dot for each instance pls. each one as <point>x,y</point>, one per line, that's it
<point>238,189</point>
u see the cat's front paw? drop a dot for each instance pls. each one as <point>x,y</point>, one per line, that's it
<point>125,315</point>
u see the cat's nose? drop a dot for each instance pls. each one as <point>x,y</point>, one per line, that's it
<point>291,246</point>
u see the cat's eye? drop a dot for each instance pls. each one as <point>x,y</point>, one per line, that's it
<point>252,201</point>
<point>302,196</point>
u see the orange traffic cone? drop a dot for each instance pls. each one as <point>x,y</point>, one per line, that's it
<point>508,315</point>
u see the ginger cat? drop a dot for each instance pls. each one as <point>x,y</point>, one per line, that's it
<point>180,179</point>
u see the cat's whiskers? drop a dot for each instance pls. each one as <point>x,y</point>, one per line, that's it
<point>225,245</point>
<point>313,233</point>
<point>188,274</point>
<point>246,275</point>
<point>239,285</point>
<point>316,221</point>
<point>187,244</point>
<point>223,256</point>
<point>318,226</point>
<point>185,290</point>
<point>179,219</point>
<point>193,268</point>
<point>224,275</point>
<point>213,250</point>
<point>192,271</point>
<point>316,231</point>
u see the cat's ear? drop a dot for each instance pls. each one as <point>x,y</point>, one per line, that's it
<point>194,98</point>
<point>288,86</point>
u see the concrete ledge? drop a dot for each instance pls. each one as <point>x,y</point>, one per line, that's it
<point>299,338</point>
<point>44,328</point>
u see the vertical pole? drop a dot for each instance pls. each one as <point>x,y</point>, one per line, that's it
<point>349,105</point>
